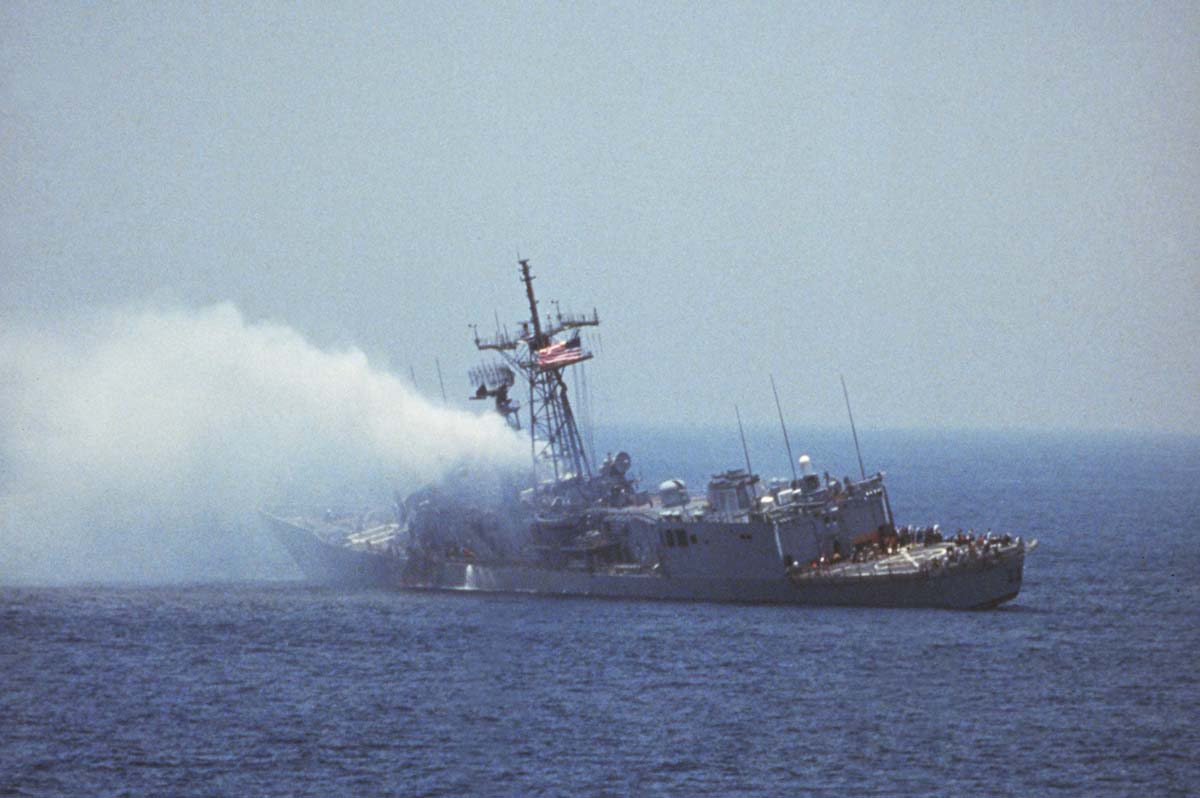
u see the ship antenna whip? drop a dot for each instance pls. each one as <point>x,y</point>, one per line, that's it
<point>742,433</point>
<point>850,413</point>
<point>782,426</point>
<point>441,382</point>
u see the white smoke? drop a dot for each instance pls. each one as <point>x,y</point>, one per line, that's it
<point>136,445</point>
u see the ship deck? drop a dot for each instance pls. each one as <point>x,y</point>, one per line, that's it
<point>913,561</point>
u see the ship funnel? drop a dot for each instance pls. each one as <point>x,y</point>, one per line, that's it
<point>806,468</point>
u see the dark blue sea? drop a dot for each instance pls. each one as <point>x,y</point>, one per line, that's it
<point>1087,684</point>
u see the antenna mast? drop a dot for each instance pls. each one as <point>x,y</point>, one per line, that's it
<point>862,471</point>
<point>538,340</point>
<point>441,382</point>
<point>786,442</point>
<point>742,433</point>
<point>540,359</point>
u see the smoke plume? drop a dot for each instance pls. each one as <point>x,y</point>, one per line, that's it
<point>136,445</point>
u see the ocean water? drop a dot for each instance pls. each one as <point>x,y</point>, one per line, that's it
<point>1087,684</point>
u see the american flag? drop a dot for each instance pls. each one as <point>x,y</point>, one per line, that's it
<point>560,353</point>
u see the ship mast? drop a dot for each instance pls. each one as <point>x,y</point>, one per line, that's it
<point>540,353</point>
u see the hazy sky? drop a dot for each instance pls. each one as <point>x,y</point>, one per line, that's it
<point>982,214</point>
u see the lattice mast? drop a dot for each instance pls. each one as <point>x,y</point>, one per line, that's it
<point>538,355</point>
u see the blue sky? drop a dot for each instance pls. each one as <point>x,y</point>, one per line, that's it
<point>984,215</point>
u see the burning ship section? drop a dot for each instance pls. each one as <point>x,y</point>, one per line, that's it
<point>571,527</point>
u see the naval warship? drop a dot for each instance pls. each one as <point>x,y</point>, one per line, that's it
<point>571,526</point>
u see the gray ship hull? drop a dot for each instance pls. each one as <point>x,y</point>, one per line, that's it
<point>953,589</point>
<point>970,586</point>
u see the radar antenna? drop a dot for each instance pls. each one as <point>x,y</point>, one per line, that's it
<point>494,381</point>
